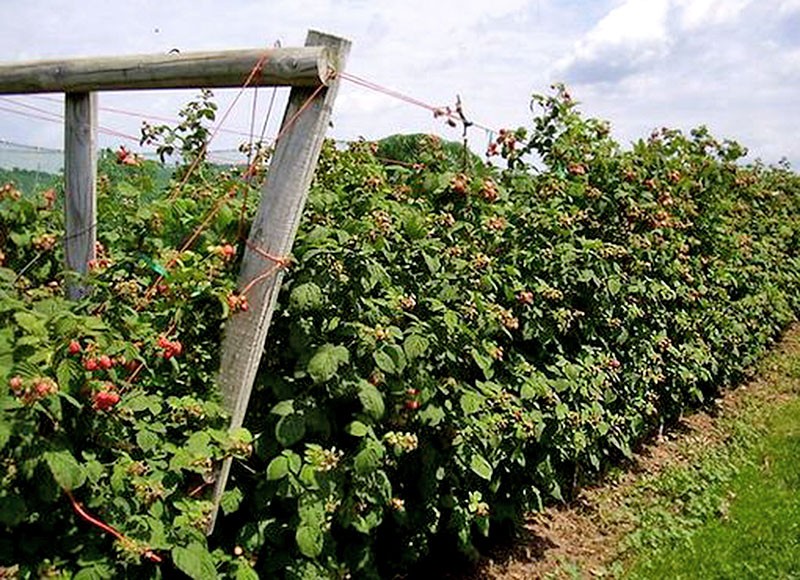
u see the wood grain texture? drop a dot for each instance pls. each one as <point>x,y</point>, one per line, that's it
<point>80,187</point>
<point>274,228</point>
<point>305,66</point>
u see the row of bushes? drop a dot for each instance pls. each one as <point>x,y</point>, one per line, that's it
<point>455,344</point>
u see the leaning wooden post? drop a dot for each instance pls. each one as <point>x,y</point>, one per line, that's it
<point>80,176</point>
<point>282,200</point>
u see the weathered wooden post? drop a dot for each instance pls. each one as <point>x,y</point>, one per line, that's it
<point>80,185</point>
<point>283,197</point>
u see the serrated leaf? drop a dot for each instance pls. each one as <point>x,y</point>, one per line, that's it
<point>278,468</point>
<point>384,362</point>
<point>199,444</point>
<point>311,511</point>
<point>64,373</point>
<point>369,458</point>
<point>31,323</point>
<point>142,402</point>
<point>305,297</point>
<point>471,402</point>
<point>480,467</point>
<point>231,500</point>
<point>431,415</point>
<point>357,429</point>
<point>147,440</point>
<point>98,571</point>
<point>450,320</point>
<point>323,365</point>
<point>194,561</point>
<point>432,262</point>
<point>372,400</point>
<point>283,408</point>
<point>309,540</point>
<point>5,433</point>
<point>398,357</point>
<point>244,572</point>
<point>66,470</point>
<point>415,346</point>
<point>290,429</point>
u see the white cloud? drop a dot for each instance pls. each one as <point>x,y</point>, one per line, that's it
<point>629,37</point>
<point>730,64</point>
<point>694,14</point>
<point>789,7</point>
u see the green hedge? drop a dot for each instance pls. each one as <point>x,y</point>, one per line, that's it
<point>453,346</point>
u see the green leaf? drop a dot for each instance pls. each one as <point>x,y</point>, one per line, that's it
<point>6,350</point>
<point>484,362</point>
<point>432,262</point>
<point>614,285</point>
<point>283,408</point>
<point>311,511</point>
<point>305,297</point>
<point>290,429</point>
<point>372,400</point>
<point>142,402</point>
<point>323,365</point>
<point>31,323</point>
<point>471,402</point>
<point>231,500</point>
<point>278,468</point>
<point>309,540</point>
<point>199,444</point>
<point>450,320</point>
<point>244,571</point>
<point>398,357</point>
<point>194,561</point>
<point>95,572</point>
<point>415,346</point>
<point>384,362</point>
<point>357,429</point>
<point>431,415</point>
<point>369,458</point>
<point>64,373</point>
<point>5,433</point>
<point>481,467</point>
<point>66,470</point>
<point>147,440</point>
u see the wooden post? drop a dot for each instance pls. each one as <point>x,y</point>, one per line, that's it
<point>278,66</point>
<point>80,175</point>
<point>282,200</point>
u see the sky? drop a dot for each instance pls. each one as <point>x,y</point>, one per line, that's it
<point>732,65</point>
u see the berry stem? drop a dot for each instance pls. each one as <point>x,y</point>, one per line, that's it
<point>79,509</point>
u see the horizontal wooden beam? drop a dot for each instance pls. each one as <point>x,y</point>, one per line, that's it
<point>297,67</point>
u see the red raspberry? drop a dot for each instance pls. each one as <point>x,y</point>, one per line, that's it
<point>74,347</point>
<point>228,251</point>
<point>105,400</point>
<point>15,383</point>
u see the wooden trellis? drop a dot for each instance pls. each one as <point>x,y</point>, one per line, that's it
<point>309,70</point>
